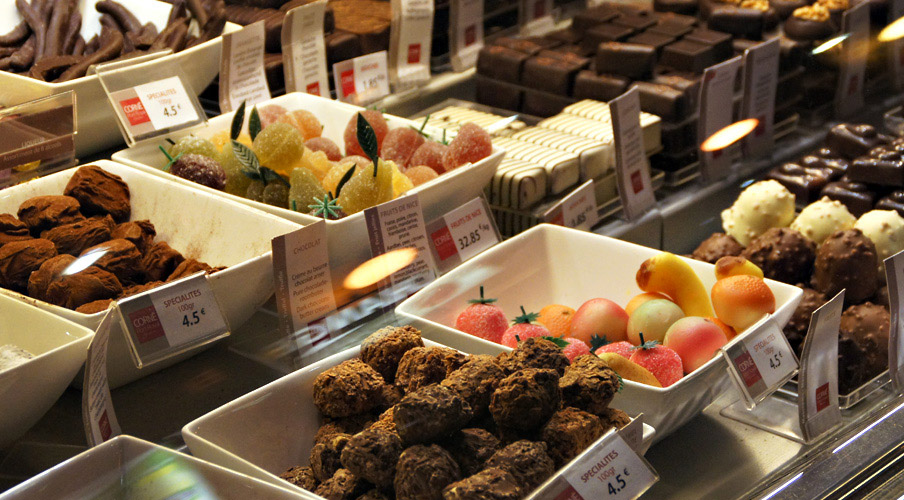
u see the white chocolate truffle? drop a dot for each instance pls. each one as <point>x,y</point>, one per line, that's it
<point>886,230</point>
<point>760,207</point>
<point>821,218</point>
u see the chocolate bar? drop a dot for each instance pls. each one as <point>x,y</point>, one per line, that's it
<point>501,63</point>
<point>589,85</point>
<point>630,60</point>
<point>662,100</point>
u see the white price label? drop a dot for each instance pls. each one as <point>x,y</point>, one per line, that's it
<point>631,168</point>
<point>818,381</point>
<point>611,470</point>
<point>760,80</point>
<point>894,275</point>
<point>172,318</point>
<point>98,415</point>
<point>760,360</point>
<point>362,80</point>
<point>411,34</point>
<point>304,50</point>
<point>717,93</point>
<point>465,33</point>
<point>242,74</point>
<point>577,210</point>
<point>462,234</point>
<point>854,54</point>
<point>155,107</point>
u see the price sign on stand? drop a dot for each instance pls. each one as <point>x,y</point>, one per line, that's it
<point>462,233</point>
<point>536,17</point>
<point>98,415</point>
<point>760,361</point>
<point>817,392</point>
<point>894,274</point>
<point>362,80</point>
<point>611,469</point>
<point>411,34</point>
<point>716,113</point>
<point>760,82</point>
<point>854,53</point>
<point>465,33</point>
<point>304,51</point>
<point>172,319</point>
<point>242,74</point>
<point>577,210</point>
<point>631,168</point>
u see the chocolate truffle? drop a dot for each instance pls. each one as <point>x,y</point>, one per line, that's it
<point>346,425</point>
<point>75,290</point>
<point>799,324</point>
<point>471,448</point>
<point>160,261</point>
<point>347,389</point>
<point>325,456</point>
<point>188,267</point>
<point>94,307</point>
<point>526,399</point>
<point>430,413</point>
<point>490,484</point>
<point>50,270</point>
<point>100,193</point>
<point>342,486</point>
<point>302,477</point>
<point>119,257</point>
<point>74,238</point>
<point>372,455</point>
<point>853,366</point>
<point>18,259</point>
<point>534,352</point>
<point>847,260</point>
<point>128,291</point>
<point>868,325</point>
<point>140,232</point>
<point>783,254</point>
<point>613,417</point>
<point>589,384</point>
<point>715,247</point>
<point>423,472</point>
<point>809,23</point>
<point>569,432</point>
<point>527,461</point>
<point>422,366</point>
<point>475,381</point>
<point>44,212</point>
<point>12,229</point>
<point>383,349</point>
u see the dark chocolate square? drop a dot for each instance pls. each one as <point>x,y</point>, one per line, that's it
<point>686,55</point>
<point>605,33</point>
<point>521,45</point>
<point>688,7</point>
<point>637,23</point>
<point>672,29</point>
<point>550,74</point>
<point>655,40</point>
<point>661,100</point>
<point>687,83</point>
<point>577,60</point>
<point>745,23</point>
<point>592,17</point>
<point>501,63</point>
<point>630,60</point>
<point>721,42</point>
<point>589,85</point>
<point>566,36</point>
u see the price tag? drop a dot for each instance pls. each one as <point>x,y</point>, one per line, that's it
<point>411,33</point>
<point>894,275</point>
<point>536,17</point>
<point>633,433</point>
<point>577,210</point>
<point>760,360</point>
<point>395,225</point>
<point>716,106</point>
<point>301,270</point>
<point>465,33</point>
<point>171,319</point>
<point>854,53</point>
<point>760,82</point>
<point>155,108</point>
<point>896,47</point>
<point>631,168</point>
<point>818,382</point>
<point>611,469</point>
<point>242,74</point>
<point>462,234</point>
<point>362,80</point>
<point>304,51</point>
<point>98,415</point>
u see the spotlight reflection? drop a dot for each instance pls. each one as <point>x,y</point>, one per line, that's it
<point>729,135</point>
<point>379,267</point>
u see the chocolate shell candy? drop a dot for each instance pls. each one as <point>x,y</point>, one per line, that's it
<point>852,141</point>
<point>501,63</point>
<point>689,56</point>
<point>74,238</point>
<point>590,18</point>
<point>807,30</point>
<point>805,183</point>
<point>605,33</point>
<point>847,260</point>
<point>744,23</point>
<point>856,196</point>
<point>883,166</point>
<point>75,290</point>
<point>686,7</point>
<point>868,325</point>
<point>18,259</point>
<point>44,212</point>
<point>12,229</point>
<point>589,85</point>
<point>100,193</point>
<point>550,74</point>
<point>799,324</point>
<point>784,8</point>
<point>894,201</point>
<point>783,254</point>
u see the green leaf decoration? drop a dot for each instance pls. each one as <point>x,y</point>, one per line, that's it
<point>481,300</point>
<point>526,317</point>
<point>596,342</point>
<point>558,341</point>
<point>270,175</point>
<point>254,123</point>
<point>621,382</point>
<point>345,178</point>
<point>247,158</point>
<point>170,159</point>
<point>172,142</point>
<point>444,141</point>
<point>237,121</point>
<point>327,208</point>
<point>645,344</point>
<point>367,138</point>
<point>421,129</point>
<point>294,206</point>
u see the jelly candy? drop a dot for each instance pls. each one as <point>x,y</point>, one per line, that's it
<point>304,188</point>
<point>327,146</point>
<point>305,121</point>
<point>201,169</point>
<point>316,162</point>
<point>364,190</point>
<point>193,145</point>
<point>255,191</point>
<point>471,145</point>
<point>421,174</point>
<point>279,147</point>
<point>276,194</point>
<point>376,121</point>
<point>430,154</point>
<point>400,182</point>
<point>400,144</point>
<point>236,182</point>
<point>270,114</point>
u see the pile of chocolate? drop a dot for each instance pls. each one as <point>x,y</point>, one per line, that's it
<point>81,251</point>
<point>47,44</point>
<point>412,422</point>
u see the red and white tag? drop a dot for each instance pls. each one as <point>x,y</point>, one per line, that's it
<point>536,17</point>
<point>577,210</point>
<point>362,80</point>
<point>854,53</point>
<point>461,234</point>
<point>760,81</point>
<point>242,74</point>
<point>612,470</point>
<point>155,107</point>
<point>716,107</point>
<point>760,361</point>
<point>304,51</point>
<point>632,170</point>
<point>465,33</point>
<point>98,414</point>
<point>818,382</point>
<point>409,43</point>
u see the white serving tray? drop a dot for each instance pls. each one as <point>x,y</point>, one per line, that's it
<point>97,128</point>
<point>555,265</point>
<point>152,472</point>
<point>198,225</point>
<point>266,431</point>
<point>349,245</point>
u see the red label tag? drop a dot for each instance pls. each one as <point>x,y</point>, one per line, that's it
<point>414,53</point>
<point>570,494</point>
<point>539,9</point>
<point>822,397</point>
<point>470,35</point>
<point>314,88</point>
<point>348,82</point>
<point>637,182</point>
<point>748,369</point>
<point>147,324</point>
<point>445,245</point>
<point>104,425</point>
<point>135,111</point>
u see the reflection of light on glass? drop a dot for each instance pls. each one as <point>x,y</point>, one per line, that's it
<point>783,486</point>
<point>729,135</point>
<point>893,31</point>
<point>379,267</point>
<point>85,261</point>
<point>830,43</point>
<point>864,431</point>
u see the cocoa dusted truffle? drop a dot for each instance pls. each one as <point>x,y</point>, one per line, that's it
<point>534,352</point>
<point>423,472</point>
<point>188,267</point>
<point>12,229</point>
<point>423,366</point>
<point>715,247</point>
<point>342,486</point>
<point>74,238</point>
<point>471,448</point>
<point>100,193</point>
<point>303,477</point>
<point>44,212</point>
<point>347,389</point>
<point>136,289</point>
<point>160,261</point>
<point>325,456</point>
<point>372,455</point>
<point>475,381</point>
<point>847,260</point>
<point>347,425</point>
<point>94,307</point>
<point>18,259</point>
<point>375,494</point>
<point>526,399</point>
<point>799,324</point>
<point>613,417</point>
<point>569,432</point>
<point>383,349</point>
<point>589,384</point>
<point>140,232</point>
<point>386,421</point>
<point>119,257</point>
<point>783,254</point>
<point>490,484</point>
<point>75,290</point>
<point>430,413</point>
<point>50,270</point>
<point>868,325</point>
<point>527,461</point>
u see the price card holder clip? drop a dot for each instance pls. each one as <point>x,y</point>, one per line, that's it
<point>172,319</point>
<point>150,106</point>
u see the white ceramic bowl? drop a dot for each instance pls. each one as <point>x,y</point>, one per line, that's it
<point>265,432</point>
<point>195,223</point>
<point>30,389</point>
<point>97,129</point>
<point>128,467</point>
<point>348,242</point>
<point>555,265</point>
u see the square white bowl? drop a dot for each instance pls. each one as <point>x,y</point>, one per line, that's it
<point>197,224</point>
<point>152,472</point>
<point>555,265</point>
<point>347,238</point>
<point>97,128</point>
<point>30,389</point>
<point>266,431</point>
